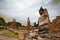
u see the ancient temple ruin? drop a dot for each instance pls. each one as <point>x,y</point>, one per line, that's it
<point>28,23</point>
<point>56,24</point>
<point>13,24</point>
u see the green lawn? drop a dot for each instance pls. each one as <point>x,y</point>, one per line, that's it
<point>9,34</point>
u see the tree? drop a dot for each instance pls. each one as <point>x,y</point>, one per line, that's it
<point>17,24</point>
<point>8,24</point>
<point>2,21</point>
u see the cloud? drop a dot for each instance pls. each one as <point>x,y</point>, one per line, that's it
<point>22,9</point>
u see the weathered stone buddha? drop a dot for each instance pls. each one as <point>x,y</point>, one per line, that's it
<point>44,16</point>
<point>43,20</point>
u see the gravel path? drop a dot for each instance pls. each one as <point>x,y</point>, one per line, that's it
<point>6,38</point>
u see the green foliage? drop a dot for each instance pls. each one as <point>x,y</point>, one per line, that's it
<point>17,24</point>
<point>57,1</point>
<point>2,21</point>
<point>8,24</point>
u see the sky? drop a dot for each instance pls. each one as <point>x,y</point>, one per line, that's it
<point>22,9</point>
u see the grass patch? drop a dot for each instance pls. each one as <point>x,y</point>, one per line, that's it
<point>9,34</point>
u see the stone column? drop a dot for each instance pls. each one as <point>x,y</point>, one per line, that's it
<point>21,35</point>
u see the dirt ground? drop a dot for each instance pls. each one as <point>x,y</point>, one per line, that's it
<point>6,38</point>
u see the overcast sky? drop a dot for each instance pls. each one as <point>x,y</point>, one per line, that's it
<point>22,9</point>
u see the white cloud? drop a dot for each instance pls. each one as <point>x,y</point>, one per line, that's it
<point>21,9</point>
